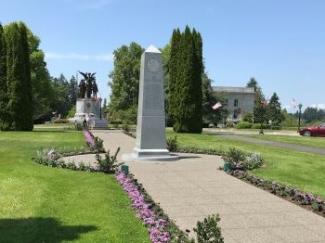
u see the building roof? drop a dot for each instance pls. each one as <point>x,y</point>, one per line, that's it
<point>241,90</point>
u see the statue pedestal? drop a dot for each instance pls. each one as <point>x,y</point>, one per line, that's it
<point>88,105</point>
<point>92,105</point>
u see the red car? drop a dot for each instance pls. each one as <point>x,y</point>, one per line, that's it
<point>313,131</point>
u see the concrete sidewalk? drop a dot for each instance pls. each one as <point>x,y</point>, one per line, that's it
<point>192,188</point>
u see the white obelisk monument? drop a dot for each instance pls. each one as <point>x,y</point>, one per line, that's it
<point>151,138</point>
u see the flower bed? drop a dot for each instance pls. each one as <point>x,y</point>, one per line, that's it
<point>304,199</point>
<point>95,144</point>
<point>161,228</point>
<point>157,227</point>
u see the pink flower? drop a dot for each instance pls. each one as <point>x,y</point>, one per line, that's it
<point>157,227</point>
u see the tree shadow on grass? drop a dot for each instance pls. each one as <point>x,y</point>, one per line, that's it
<point>39,230</point>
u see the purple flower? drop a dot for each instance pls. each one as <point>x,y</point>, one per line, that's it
<point>89,138</point>
<point>157,227</point>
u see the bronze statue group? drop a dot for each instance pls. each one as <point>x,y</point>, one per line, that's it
<point>87,86</point>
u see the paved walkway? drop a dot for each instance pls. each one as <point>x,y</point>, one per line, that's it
<point>192,188</point>
<point>297,147</point>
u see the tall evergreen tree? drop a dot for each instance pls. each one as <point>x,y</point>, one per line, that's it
<point>42,92</point>
<point>4,112</point>
<point>260,109</point>
<point>173,65</point>
<point>274,112</point>
<point>19,77</point>
<point>252,83</point>
<point>185,74</point>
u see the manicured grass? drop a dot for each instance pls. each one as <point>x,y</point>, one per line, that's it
<point>43,204</point>
<point>318,142</point>
<point>303,170</point>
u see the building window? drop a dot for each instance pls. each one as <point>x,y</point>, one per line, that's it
<point>235,103</point>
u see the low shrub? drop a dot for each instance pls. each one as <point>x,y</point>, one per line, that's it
<point>275,127</point>
<point>258,126</point>
<point>95,144</point>
<point>61,120</point>
<point>253,161</point>
<point>236,159</point>
<point>108,164</point>
<point>230,124</point>
<point>208,230</point>
<point>244,125</point>
<point>47,157</point>
<point>172,144</point>
<point>248,117</point>
<point>125,127</point>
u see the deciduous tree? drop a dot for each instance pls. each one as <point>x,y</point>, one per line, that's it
<point>125,83</point>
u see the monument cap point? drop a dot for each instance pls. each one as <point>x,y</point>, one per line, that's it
<point>152,49</point>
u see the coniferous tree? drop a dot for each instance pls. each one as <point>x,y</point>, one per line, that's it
<point>260,109</point>
<point>274,112</point>
<point>42,92</point>
<point>252,83</point>
<point>185,75</point>
<point>173,65</point>
<point>19,77</point>
<point>4,112</point>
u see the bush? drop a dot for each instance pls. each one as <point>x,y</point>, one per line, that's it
<point>47,156</point>
<point>235,155</point>
<point>230,124</point>
<point>248,117</point>
<point>253,161</point>
<point>172,144</point>
<point>61,121</point>
<point>125,127</point>
<point>109,163</point>
<point>276,127</point>
<point>72,111</point>
<point>258,126</point>
<point>236,159</point>
<point>208,230</point>
<point>95,144</point>
<point>244,125</point>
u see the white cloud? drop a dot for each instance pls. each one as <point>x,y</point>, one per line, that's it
<point>76,56</point>
<point>319,106</point>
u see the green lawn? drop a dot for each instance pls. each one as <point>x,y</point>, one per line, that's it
<point>43,204</point>
<point>318,142</point>
<point>303,170</point>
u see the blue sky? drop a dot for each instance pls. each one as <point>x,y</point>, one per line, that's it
<point>279,42</point>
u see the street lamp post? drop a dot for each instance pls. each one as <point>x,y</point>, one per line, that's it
<point>299,116</point>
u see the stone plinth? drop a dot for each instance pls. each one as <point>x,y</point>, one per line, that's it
<point>88,105</point>
<point>92,105</point>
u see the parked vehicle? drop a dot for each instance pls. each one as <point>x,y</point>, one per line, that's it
<point>313,131</point>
